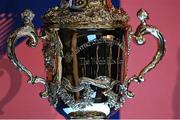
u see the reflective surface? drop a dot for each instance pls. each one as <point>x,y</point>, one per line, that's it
<point>97,55</point>
<point>92,54</point>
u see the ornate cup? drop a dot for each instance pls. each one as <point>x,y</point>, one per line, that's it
<point>86,48</point>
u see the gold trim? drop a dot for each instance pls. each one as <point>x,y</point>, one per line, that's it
<point>87,115</point>
<point>92,16</point>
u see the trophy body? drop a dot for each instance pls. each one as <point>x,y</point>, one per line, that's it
<point>89,68</point>
<point>86,49</point>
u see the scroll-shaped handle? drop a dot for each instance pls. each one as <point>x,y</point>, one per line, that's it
<point>142,30</point>
<point>29,31</point>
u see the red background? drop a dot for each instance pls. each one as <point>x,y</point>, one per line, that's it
<point>157,97</point>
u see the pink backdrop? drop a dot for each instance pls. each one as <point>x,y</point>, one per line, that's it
<point>157,97</point>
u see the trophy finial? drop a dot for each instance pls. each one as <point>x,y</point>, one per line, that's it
<point>27,16</point>
<point>143,15</point>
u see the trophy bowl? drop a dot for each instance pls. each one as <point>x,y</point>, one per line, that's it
<point>86,44</point>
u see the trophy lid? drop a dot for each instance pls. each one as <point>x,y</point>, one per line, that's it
<point>85,14</point>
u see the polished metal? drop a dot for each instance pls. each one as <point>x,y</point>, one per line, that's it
<point>86,46</point>
<point>95,14</point>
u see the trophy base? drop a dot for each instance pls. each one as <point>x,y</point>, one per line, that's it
<point>87,115</point>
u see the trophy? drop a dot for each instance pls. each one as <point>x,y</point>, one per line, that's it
<point>86,44</point>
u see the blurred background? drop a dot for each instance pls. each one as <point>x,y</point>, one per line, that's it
<point>157,98</point>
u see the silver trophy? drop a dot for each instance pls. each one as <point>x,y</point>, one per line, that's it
<point>86,45</point>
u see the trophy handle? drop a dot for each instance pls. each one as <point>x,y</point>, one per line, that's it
<point>29,31</point>
<point>142,30</point>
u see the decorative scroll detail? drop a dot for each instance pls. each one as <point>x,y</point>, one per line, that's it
<point>94,15</point>
<point>63,90</point>
<point>57,90</point>
<point>29,31</point>
<point>142,30</point>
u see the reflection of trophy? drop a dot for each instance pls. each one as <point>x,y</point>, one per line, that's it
<point>86,48</point>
